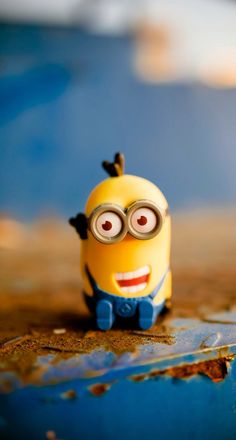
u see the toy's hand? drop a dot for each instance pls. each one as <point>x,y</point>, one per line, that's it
<point>80,223</point>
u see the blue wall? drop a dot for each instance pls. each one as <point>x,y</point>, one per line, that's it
<point>69,100</point>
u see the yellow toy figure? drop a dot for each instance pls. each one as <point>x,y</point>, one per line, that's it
<point>125,250</point>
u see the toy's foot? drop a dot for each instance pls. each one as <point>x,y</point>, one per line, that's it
<point>147,314</point>
<point>104,315</point>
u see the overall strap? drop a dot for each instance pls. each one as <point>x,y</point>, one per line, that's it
<point>92,280</point>
<point>159,285</point>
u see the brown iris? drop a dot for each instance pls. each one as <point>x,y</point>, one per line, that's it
<point>107,226</point>
<point>142,220</point>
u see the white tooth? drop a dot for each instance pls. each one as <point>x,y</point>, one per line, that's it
<point>143,271</point>
<point>146,270</point>
<point>133,289</point>
<point>125,289</point>
<point>141,287</point>
<point>138,273</point>
<point>131,275</point>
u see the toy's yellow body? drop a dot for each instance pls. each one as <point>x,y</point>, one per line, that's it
<point>129,269</point>
<point>130,254</point>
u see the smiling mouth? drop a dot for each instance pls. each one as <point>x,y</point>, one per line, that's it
<point>131,282</point>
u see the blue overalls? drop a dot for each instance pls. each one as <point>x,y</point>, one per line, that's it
<point>106,305</point>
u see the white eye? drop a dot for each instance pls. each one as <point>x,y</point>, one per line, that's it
<point>109,224</point>
<point>144,220</point>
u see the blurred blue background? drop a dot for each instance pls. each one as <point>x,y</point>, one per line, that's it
<point>70,99</point>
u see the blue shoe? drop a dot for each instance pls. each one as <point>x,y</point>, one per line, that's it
<point>147,314</point>
<point>104,314</point>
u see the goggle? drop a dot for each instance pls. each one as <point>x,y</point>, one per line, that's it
<point>143,219</point>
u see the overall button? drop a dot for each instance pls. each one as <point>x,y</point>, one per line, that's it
<point>126,309</point>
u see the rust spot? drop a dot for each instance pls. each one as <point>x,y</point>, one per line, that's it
<point>158,337</point>
<point>6,386</point>
<point>99,388</point>
<point>153,374</point>
<point>217,321</point>
<point>58,349</point>
<point>215,369</point>
<point>14,341</point>
<point>69,395</point>
<point>139,377</point>
<point>51,435</point>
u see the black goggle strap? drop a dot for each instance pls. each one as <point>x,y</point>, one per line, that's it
<point>80,223</point>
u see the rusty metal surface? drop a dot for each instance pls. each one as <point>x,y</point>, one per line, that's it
<point>56,366</point>
<point>46,334</point>
<point>190,341</point>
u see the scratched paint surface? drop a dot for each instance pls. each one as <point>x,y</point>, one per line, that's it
<point>58,373</point>
<point>189,339</point>
<point>127,402</point>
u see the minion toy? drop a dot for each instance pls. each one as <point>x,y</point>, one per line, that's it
<point>125,248</point>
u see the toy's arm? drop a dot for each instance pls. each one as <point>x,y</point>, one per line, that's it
<point>80,223</point>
